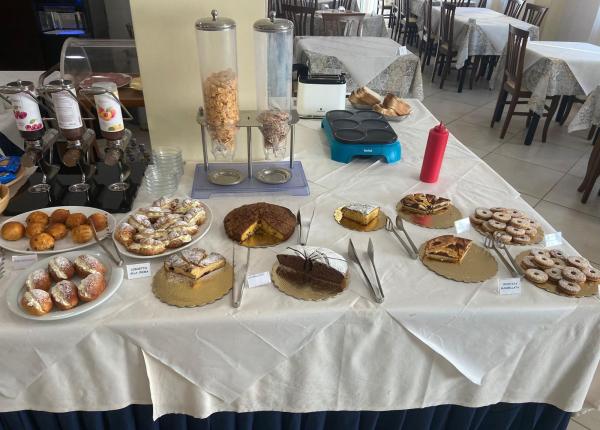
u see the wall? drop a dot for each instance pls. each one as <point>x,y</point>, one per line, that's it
<point>166,46</point>
<point>118,13</point>
<point>571,21</point>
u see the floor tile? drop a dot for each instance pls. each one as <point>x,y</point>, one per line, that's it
<point>565,194</point>
<point>590,420</point>
<point>554,157</point>
<point>580,167</point>
<point>573,425</point>
<point>532,201</point>
<point>475,136</point>
<point>526,177</point>
<point>579,229</point>
<point>560,136</point>
<point>446,110</point>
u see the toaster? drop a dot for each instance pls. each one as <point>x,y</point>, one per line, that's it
<point>318,94</point>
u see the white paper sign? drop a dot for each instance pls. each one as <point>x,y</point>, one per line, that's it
<point>462,225</point>
<point>23,261</point>
<point>137,271</point>
<point>402,50</point>
<point>258,280</point>
<point>509,286</point>
<point>553,239</point>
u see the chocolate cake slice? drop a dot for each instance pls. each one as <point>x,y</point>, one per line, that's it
<point>319,268</point>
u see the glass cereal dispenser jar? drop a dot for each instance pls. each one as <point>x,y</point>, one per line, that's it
<point>273,46</point>
<point>216,39</point>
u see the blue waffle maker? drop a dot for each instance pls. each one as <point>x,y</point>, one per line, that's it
<point>360,134</point>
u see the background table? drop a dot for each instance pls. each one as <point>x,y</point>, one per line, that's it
<point>432,342</point>
<point>372,61</point>
<point>373,26</point>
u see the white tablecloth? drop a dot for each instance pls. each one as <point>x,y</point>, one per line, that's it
<point>432,342</point>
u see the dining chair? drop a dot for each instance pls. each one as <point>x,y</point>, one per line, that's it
<point>482,3</point>
<point>426,38</point>
<point>406,23</point>
<point>513,8</point>
<point>461,3</point>
<point>302,14</point>
<point>346,4</point>
<point>534,14</point>
<point>593,170</point>
<point>343,23</point>
<point>512,80</point>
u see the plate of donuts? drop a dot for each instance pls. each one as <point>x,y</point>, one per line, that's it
<point>53,230</point>
<point>64,286</point>
<point>168,225</point>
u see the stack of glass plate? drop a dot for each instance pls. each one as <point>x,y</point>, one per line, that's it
<point>162,177</point>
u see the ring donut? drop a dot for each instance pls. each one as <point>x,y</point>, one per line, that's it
<point>543,261</point>
<point>483,213</point>
<point>573,274</point>
<point>579,262</point>
<point>554,274</point>
<point>568,287</point>
<point>514,231</point>
<point>557,253</point>
<point>502,217</point>
<point>592,274</point>
<point>536,276</point>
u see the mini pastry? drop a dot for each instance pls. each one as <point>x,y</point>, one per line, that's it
<point>87,264</point>
<point>483,213</point>
<point>496,225</point>
<point>514,231</point>
<point>447,248</point>
<point>502,217</point>
<point>125,233</point>
<point>150,233</point>
<point>528,262</point>
<point>537,251</point>
<point>75,220</point>
<point>185,205</point>
<point>38,280</point>
<point>82,233</point>
<point>91,287</point>
<point>522,240</point>
<point>557,253</point>
<point>37,216</point>
<point>176,239</point>
<point>195,216</point>
<point>425,203</point>
<point>360,213</point>
<point>536,276</point>
<point>59,216</point>
<point>592,274</point>
<point>573,274</point>
<point>554,274</point>
<point>147,247</point>
<point>167,221</point>
<point>163,202</point>
<point>36,302</point>
<point>139,221</point>
<point>153,212</point>
<point>61,268</point>
<point>13,231</point>
<point>57,231</point>
<point>475,221</point>
<point>64,295</point>
<point>568,287</point>
<point>99,220</point>
<point>34,228</point>
<point>543,262</point>
<point>579,262</point>
<point>184,227</point>
<point>41,242</point>
<point>559,263</point>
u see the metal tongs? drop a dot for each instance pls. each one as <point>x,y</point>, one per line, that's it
<point>303,238</point>
<point>501,245</point>
<point>377,290</point>
<point>118,261</point>
<point>389,226</point>
<point>238,287</point>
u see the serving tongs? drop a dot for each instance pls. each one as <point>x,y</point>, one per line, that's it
<point>377,291</point>
<point>117,261</point>
<point>238,287</point>
<point>303,238</point>
<point>389,226</point>
<point>490,243</point>
<point>501,245</point>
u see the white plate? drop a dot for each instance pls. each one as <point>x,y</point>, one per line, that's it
<point>114,279</point>
<point>22,245</point>
<point>202,230</point>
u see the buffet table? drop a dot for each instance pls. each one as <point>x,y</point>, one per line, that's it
<point>432,342</point>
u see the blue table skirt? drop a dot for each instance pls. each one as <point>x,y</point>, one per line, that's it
<point>503,416</point>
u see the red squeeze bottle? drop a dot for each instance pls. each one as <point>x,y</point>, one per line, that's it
<point>434,153</point>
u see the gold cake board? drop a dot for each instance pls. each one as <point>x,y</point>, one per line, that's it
<point>304,291</point>
<point>377,224</point>
<point>534,241</point>
<point>478,265</point>
<point>440,220</point>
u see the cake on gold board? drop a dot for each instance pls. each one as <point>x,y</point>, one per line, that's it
<point>360,217</point>
<point>428,210</point>
<point>260,224</point>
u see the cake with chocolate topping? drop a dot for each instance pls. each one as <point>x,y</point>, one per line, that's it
<point>319,268</point>
<point>273,220</point>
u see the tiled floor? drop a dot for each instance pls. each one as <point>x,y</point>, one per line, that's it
<point>546,174</point>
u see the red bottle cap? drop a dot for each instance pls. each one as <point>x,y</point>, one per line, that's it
<point>440,128</point>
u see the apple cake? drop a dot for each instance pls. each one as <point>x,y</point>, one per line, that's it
<point>273,220</point>
<point>426,204</point>
<point>447,248</point>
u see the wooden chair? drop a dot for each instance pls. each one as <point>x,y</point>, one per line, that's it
<point>406,23</point>
<point>461,3</point>
<point>482,3</point>
<point>534,14</point>
<point>343,23</point>
<point>426,39</point>
<point>385,10</point>
<point>513,8</point>
<point>593,170</point>
<point>302,14</point>
<point>346,4</point>
<point>512,80</point>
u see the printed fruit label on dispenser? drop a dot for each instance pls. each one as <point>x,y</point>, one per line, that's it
<point>109,112</point>
<point>26,112</point>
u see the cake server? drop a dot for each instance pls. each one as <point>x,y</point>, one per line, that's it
<point>238,287</point>
<point>354,256</point>
<point>488,242</point>
<point>299,220</point>
<point>389,226</point>
<point>304,229</point>
<point>400,226</point>
<point>371,253</point>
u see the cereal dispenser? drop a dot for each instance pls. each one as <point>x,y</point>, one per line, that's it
<point>216,39</point>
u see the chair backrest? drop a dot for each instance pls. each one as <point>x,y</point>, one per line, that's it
<point>513,8</point>
<point>302,14</point>
<point>515,55</point>
<point>404,8</point>
<point>343,23</point>
<point>482,3</point>
<point>447,24</point>
<point>534,14</point>
<point>427,18</point>
<point>346,4</point>
<point>461,3</point>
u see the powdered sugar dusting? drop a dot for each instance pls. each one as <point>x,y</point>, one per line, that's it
<point>363,208</point>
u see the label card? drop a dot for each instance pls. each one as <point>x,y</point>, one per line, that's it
<point>137,271</point>
<point>462,225</point>
<point>23,261</point>
<point>258,280</point>
<point>553,239</point>
<point>509,286</point>
<point>402,50</point>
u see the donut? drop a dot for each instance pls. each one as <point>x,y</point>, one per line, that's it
<point>543,262</point>
<point>559,263</point>
<point>37,216</point>
<point>554,274</point>
<point>99,220</point>
<point>498,209</point>
<point>483,213</point>
<point>34,228</point>
<point>64,295</point>
<point>592,274</point>
<point>91,287</point>
<point>573,274</point>
<point>536,276</point>
<point>579,262</point>
<point>487,227</point>
<point>528,262</point>
<point>557,253</point>
<point>503,237</point>
<point>568,287</point>
<point>514,213</point>
<point>36,302</point>
<point>519,222</point>
<point>41,242</point>
<point>502,217</point>
<point>87,264</point>
<point>522,240</point>
<point>496,225</point>
<point>514,231</point>
<point>57,231</point>
<point>75,220</point>
<point>475,221</point>
<point>61,268</point>
<point>38,280</point>
<point>59,216</point>
<point>13,231</point>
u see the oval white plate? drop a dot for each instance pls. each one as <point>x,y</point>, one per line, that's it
<point>22,246</point>
<point>114,279</point>
<point>202,230</point>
